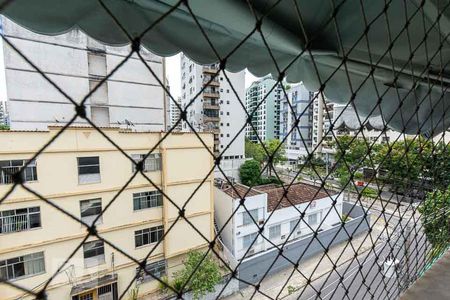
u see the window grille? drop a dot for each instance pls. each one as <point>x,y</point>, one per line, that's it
<point>16,220</point>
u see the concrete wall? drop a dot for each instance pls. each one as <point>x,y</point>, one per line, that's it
<point>254,268</point>
<point>131,93</point>
<point>57,181</point>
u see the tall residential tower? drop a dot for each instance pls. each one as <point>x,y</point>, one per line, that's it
<point>216,109</point>
<point>264,96</point>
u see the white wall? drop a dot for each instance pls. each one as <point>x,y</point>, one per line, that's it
<point>133,93</point>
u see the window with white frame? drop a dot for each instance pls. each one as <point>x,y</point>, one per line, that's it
<point>9,167</point>
<point>294,226</point>
<point>275,231</point>
<point>248,239</point>
<point>313,219</point>
<point>157,269</point>
<point>20,219</point>
<point>22,266</point>
<point>148,235</point>
<point>247,220</point>
<point>94,253</point>
<point>148,199</point>
<point>88,169</point>
<point>151,163</point>
<point>90,209</point>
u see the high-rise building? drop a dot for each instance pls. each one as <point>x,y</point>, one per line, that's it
<point>263,96</point>
<point>131,97</point>
<point>175,114</point>
<point>83,174</point>
<point>216,109</point>
<point>296,115</point>
<point>3,113</point>
<point>323,116</point>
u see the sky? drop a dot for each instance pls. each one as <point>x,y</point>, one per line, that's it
<point>173,74</point>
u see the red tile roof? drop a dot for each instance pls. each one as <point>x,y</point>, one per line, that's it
<point>241,191</point>
<point>297,193</point>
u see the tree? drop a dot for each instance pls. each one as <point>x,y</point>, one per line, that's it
<point>250,172</point>
<point>4,127</point>
<point>436,220</point>
<point>254,150</point>
<point>201,275</point>
<point>276,151</point>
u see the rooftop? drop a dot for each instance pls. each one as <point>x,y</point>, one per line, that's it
<point>239,190</point>
<point>297,193</point>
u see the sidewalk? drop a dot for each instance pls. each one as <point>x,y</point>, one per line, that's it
<point>275,282</point>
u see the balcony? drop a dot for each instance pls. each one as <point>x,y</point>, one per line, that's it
<point>208,105</point>
<point>211,94</point>
<point>213,82</point>
<point>211,119</point>
<point>210,69</point>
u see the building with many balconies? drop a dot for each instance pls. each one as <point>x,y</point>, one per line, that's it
<point>217,109</point>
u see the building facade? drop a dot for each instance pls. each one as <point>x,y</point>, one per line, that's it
<point>83,174</point>
<point>240,232</point>
<point>4,120</point>
<point>296,115</point>
<point>175,114</point>
<point>323,117</point>
<point>130,98</point>
<point>266,119</point>
<point>217,109</point>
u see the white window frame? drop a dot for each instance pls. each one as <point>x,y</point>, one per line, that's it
<point>15,221</point>
<point>247,220</point>
<point>151,164</point>
<point>33,264</point>
<point>271,233</point>
<point>151,198</point>
<point>94,260</point>
<point>88,177</point>
<point>96,202</point>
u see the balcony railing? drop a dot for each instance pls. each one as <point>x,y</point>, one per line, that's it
<point>14,223</point>
<point>211,94</point>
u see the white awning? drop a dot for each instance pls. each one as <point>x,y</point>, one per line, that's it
<point>404,40</point>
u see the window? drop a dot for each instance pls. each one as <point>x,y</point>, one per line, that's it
<point>246,219</point>
<point>94,253</point>
<point>275,231</point>
<point>151,163</point>
<point>312,219</point>
<point>248,240</point>
<point>157,269</point>
<point>90,209</point>
<point>10,167</point>
<point>148,235</point>
<point>22,266</point>
<point>294,227</point>
<point>88,169</point>
<point>20,219</point>
<point>147,200</point>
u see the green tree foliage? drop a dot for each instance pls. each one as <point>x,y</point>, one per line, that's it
<point>436,220</point>
<point>407,163</point>
<point>250,172</point>
<point>4,127</point>
<point>276,151</point>
<point>205,274</point>
<point>254,150</point>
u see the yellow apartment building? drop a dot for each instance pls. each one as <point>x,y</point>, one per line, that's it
<point>81,172</point>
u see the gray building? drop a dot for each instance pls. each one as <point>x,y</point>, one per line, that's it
<point>131,97</point>
<point>264,99</point>
<point>297,136</point>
